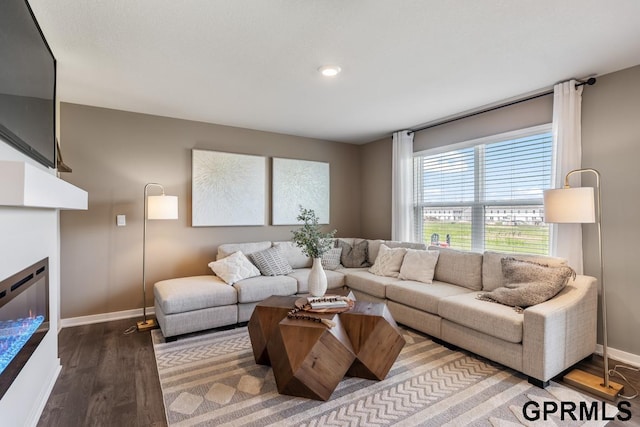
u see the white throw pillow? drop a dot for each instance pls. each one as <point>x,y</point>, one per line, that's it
<point>419,265</point>
<point>234,268</point>
<point>331,259</point>
<point>388,261</point>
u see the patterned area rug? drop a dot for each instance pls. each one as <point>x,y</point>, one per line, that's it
<point>212,379</point>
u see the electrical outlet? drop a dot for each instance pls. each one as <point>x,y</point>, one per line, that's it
<point>121,220</point>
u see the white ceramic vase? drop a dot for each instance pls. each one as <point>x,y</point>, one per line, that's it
<point>317,279</point>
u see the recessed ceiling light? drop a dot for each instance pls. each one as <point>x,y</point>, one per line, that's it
<point>329,70</point>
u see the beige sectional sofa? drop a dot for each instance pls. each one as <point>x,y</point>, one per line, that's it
<point>541,341</point>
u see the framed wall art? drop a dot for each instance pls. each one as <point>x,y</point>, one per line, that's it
<point>298,183</point>
<point>227,189</point>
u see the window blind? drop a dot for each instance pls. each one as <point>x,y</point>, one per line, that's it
<point>486,196</point>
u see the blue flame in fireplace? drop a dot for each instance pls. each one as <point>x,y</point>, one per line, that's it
<point>13,336</point>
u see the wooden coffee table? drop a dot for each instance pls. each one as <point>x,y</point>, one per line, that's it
<point>310,359</point>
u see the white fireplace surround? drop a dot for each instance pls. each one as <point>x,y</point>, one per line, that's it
<point>31,187</point>
<point>31,197</point>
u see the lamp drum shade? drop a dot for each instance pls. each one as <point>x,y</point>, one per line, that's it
<point>569,205</point>
<point>162,207</point>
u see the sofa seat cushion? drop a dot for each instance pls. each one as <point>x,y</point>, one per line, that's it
<point>425,297</point>
<point>345,270</point>
<point>259,288</point>
<point>493,319</point>
<point>368,283</point>
<point>193,293</point>
<point>334,279</point>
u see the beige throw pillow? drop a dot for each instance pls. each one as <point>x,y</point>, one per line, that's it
<point>388,262</point>
<point>234,268</point>
<point>419,265</point>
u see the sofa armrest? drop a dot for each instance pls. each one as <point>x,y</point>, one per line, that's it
<point>562,331</point>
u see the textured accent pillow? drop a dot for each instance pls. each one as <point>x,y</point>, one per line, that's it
<point>528,283</point>
<point>234,268</point>
<point>271,262</point>
<point>388,261</point>
<point>419,265</point>
<point>331,259</point>
<point>492,277</point>
<point>353,256</point>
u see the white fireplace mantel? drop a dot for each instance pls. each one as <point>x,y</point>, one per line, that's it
<point>22,184</point>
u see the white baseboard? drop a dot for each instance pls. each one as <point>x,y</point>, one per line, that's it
<point>44,397</point>
<point>104,317</point>
<point>620,356</point>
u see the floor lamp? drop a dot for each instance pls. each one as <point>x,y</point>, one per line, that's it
<point>577,206</point>
<point>155,207</point>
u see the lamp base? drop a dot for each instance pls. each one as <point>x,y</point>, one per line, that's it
<point>593,384</point>
<point>145,326</point>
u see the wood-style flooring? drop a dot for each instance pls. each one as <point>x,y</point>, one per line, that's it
<point>110,379</point>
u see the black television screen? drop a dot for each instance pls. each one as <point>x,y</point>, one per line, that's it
<point>27,84</point>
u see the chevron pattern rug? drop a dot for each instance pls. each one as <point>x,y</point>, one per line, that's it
<point>211,379</point>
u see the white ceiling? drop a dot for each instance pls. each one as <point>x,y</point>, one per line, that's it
<point>253,63</point>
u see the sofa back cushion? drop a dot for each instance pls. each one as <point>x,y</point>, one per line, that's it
<point>374,248</point>
<point>492,277</point>
<point>246,248</point>
<point>460,268</point>
<point>293,255</point>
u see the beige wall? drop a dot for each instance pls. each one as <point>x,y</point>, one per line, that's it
<point>114,154</point>
<point>375,199</point>
<point>611,144</point>
<point>526,114</point>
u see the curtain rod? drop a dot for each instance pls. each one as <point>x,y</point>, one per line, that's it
<point>591,81</point>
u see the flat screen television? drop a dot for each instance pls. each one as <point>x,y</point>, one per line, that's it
<point>27,84</point>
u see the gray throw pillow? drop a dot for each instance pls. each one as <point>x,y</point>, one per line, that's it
<point>528,283</point>
<point>271,262</point>
<point>353,256</point>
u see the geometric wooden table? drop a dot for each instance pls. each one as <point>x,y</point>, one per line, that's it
<point>309,359</point>
<point>375,338</point>
<point>266,316</point>
<point>263,322</point>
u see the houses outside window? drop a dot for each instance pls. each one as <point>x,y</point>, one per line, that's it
<point>486,194</point>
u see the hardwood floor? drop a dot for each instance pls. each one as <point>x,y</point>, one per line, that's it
<point>110,379</point>
<point>595,366</point>
<point>107,379</point>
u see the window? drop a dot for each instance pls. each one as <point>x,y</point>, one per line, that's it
<point>485,194</point>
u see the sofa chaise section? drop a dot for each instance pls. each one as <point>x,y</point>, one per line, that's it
<point>189,304</point>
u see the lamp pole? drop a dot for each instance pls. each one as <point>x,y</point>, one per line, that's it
<point>165,207</point>
<point>600,254</point>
